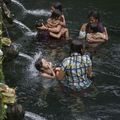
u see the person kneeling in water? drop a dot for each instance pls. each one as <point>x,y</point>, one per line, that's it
<point>53,26</point>
<point>46,69</point>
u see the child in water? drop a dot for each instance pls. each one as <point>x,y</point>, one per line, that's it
<point>46,69</point>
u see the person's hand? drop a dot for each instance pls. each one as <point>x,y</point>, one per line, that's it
<point>99,35</point>
<point>58,68</point>
<point>90,38</point>
<point>43,27</point>
<point>50,65</point>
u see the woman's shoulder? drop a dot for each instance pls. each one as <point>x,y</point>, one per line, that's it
<point>83,26</point>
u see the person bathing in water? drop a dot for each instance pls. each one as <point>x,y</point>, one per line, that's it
<point>46,68</point>
<point>94,31</point>
<point>56,25</point>
<point>58,6</point>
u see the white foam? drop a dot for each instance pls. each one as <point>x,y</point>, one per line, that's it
<point>39,12</point>
<point>31,33</point>
<point>32,68</point>
<point>34,116</point>
<point>25,56</point>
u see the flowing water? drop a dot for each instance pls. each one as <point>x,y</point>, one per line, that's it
<point>39,95</point>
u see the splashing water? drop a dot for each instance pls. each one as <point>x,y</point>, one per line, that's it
<point>25,29</point>
<point>21,25</point>
<point>32,69</point>
<point>33,12</point>
<point>31,33</point>
<point>33,116</point>
<point>39,12</point>
<point>25,56</point>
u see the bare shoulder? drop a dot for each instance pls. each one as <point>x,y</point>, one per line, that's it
<point>62,16</point>
<point>83,27</point>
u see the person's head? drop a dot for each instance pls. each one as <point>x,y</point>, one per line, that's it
<point>56,14</point>
<point>41,64</point>
<point>57,6</point>
<point>76,46</point>
<point>15,112</point>
<point>94,17</point>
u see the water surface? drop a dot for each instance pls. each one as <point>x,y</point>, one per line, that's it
<point>38,95</point>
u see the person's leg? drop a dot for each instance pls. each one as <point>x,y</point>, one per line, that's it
<point>54,35</point>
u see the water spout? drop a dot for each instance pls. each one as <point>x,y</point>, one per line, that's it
<point>32,12</point>
<point>21,25</point>
<point>25,56</point>
<point>39,12</point>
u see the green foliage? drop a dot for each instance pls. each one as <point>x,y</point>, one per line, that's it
<point>2,109</point>
<point>1,74</point>
<point>2,105</point>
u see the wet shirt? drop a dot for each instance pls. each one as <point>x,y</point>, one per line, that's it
<point>95,29</point>
<point>75,68</point>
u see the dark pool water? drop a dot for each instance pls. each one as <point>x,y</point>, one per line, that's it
<point>39,95</point>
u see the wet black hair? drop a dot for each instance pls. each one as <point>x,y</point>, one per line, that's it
<point>15,112</point>
<point>76,46</point>
<point>94,14</point>
<point>58,6</point>
<point>56,14</point>
<point>7,1</point>
<point>38,64</point>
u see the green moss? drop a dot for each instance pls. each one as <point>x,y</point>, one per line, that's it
<point>2,109</point>
<point>1,76</point>
<point>2,106</point>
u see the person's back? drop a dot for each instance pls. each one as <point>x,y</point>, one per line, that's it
<point>77,68</point>
<point>76,71</point>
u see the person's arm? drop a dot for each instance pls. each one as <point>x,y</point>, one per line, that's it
<point>106,34</point>
<point>83,27</point>
<point>52,23</point>
<point>63,22</point>
<point>97,37</point>
<point>51,69</point>
<point>60,75</point>
<point>55,29</point>
<point>55,35</point>
<point>92,39</point>
<point>47,75</point>
<point>82,32</point>
<point>88,64</point>
<point>89,72</point>
<point>43,27</point>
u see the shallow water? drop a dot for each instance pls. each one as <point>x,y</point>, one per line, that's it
<point>40,96</point>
